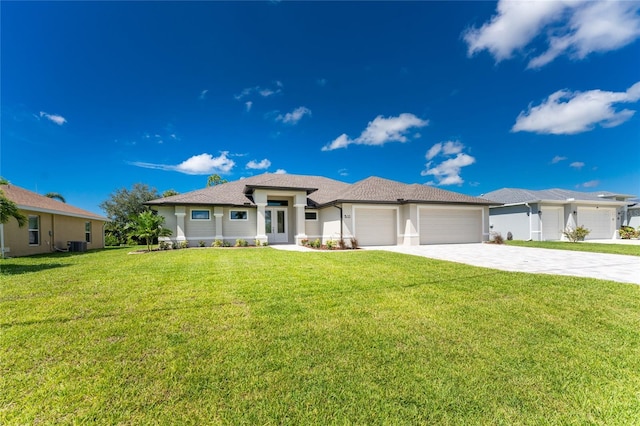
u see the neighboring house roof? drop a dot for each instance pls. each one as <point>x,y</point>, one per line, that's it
<point>27,200</point>
<point>521,196</point>
<point>321,191</point>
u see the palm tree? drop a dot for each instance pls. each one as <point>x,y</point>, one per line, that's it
<point>8,210</point>
<point>55,196</point>
<point>149,225</point>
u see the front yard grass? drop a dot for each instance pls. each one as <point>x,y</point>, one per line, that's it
<point>630,250</point>
<point>259,336</point>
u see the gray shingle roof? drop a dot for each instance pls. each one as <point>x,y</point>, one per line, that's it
<point>517,196</point>
<point>321,191</point>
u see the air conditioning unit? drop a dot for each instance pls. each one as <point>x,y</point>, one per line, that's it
<point>77,246</point>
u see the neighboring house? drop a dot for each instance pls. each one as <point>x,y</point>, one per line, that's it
<point>544,215</point>
<point>51,225</point>
<point>284,208</point>
<point>633,214</point>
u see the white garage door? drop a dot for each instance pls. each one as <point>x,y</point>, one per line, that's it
<point>376,227</point>
<point>600,221</point>
<point>446,226</point>
<point>552,223</point>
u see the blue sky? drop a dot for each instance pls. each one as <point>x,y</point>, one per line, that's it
<point>468,96</point>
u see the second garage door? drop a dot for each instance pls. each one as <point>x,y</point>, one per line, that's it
<point>450,226</point>
<point>600,221</point>
<point>376,227</point>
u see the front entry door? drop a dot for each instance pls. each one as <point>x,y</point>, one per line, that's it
<point>275,222</point>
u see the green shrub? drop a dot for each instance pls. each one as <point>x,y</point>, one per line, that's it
<point>316,243</point>
<point>258,243</point>
<point>576,234</point>
<point>201,243</point>
<point>111,240</point>
<point>330,244</point>
<point>165,245</point>
<point>184,244</point>
<point>304,242</point>
<point>627,233</point>
<point>241,243</point>
<point>216,243</point>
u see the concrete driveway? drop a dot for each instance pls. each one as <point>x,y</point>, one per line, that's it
<point>614,267</point>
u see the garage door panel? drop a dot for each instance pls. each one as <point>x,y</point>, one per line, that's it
<point>551,223</point>
<point>600,222</point>
<point>450,226</point>
<point>376,227</point>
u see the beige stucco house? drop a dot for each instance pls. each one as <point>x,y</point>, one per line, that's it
<point>51,225</point>
<point>287,209</point>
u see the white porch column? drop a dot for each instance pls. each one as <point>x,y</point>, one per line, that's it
<point>300,202</point>
<point>180,214</point>
<point>260,223</point>
<point>218,213</point>
<point>411,235</point>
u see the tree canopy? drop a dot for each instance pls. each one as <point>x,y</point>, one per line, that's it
<point>123,206</point>
<point>9,209</point>
<point>55,196</point>
<point>148,226</point>
<point>215,179</point>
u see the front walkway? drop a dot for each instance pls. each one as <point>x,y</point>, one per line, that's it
<point>614,267</point>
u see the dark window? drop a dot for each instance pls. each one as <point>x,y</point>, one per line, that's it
<point>87,232</point>
<point>238,215</point>
<point>34,230</point>
<point>200,215</point>
<point>278,203</point>
<point>310,215</point>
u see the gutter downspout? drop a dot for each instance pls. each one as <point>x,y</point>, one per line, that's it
<point>530,231</point>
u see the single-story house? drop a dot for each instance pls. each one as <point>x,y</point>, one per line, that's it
<point>287,209</point>
<point>545,215</point>
<point>51,225</point>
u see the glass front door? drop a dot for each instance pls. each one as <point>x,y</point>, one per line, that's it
<point>275,223</point>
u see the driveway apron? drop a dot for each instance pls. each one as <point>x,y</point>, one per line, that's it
<point>614,267</point>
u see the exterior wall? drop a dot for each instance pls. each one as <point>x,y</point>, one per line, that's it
<point>235,229</point>
<point>330,223</point>
<point>199,229</point>
<point>313,228</point>
<point>55,231</point>
<point>514,219</point>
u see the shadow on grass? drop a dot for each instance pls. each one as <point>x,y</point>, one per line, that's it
<point>16,269</point>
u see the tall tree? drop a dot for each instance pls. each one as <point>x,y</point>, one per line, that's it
<point>169,193</point>
<point>55,196</point>
<point>124,205</point>
<point>149,226</point>
<point>215,180</point>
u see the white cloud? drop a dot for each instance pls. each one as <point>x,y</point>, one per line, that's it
<point>265,92</point>
<point>565,112</point>
<point>294,116</point>
<point>591,184</point>
<point>576,28</point>
<point>259,165</point>
<point>343,172</point>
<point>202,164</point>
<point>203,94</point>
<point>557,159</point>
<point>58,119</point>
<point>248,105</point>
<point>380,131</point>
<point>280,172</point>
<point>447,172</point>
<point>577,165</point>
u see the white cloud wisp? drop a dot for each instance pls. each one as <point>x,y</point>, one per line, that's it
<point>566,113</point>
<point>259,165</point>
<point>294,116</point>
<point>55,118</point>
<point>447,172</point>
<point>380,131</point>
<point>202,164</point>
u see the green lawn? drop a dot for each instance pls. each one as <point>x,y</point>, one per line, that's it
<point>260,336</point>
<point>631,250</point>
